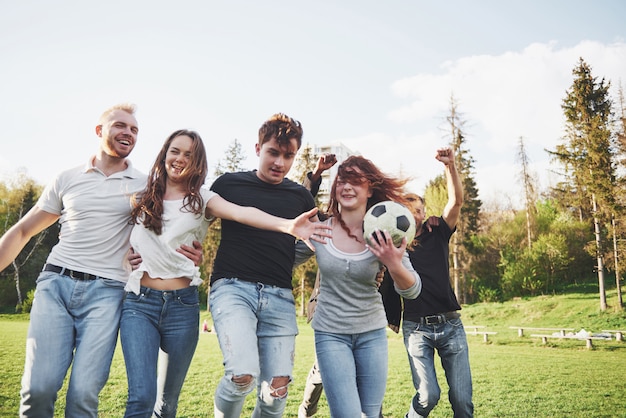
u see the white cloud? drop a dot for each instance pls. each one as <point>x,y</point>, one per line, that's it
<point>503,97</point>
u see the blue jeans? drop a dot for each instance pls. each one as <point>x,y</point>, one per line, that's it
<point>158,328</point>
<point>71,322</point>
<point>256,329</point>
<point>450,341</point>
<point>354,371</point>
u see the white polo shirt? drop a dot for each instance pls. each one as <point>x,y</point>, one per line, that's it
<point>94,218</point>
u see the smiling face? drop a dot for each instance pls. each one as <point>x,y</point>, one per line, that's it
<point>118,133</point>
<point>353,191</point>
<point>275,160</point>
<point>177,157</point>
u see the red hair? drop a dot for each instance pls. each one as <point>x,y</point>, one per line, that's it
<point>383,186</point>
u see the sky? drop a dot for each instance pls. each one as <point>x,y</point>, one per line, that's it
<point>374,76</point>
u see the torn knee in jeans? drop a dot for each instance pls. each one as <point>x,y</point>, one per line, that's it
<point>276,389</point>
<point>279,385</point>
<point>243,382</point>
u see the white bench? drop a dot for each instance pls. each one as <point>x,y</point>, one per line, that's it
<point>474,327</point>
<point>520,330</point>
<point>588,339</point>
<point>477,330</point>
<point>619,334</point>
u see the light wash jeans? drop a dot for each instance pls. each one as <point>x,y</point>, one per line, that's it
<point>450,341</point>
<point>71,322</point>
<point>158,328</point>
<point>256,329</point>
<point>354,371</point>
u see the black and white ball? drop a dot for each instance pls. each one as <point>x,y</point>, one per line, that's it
<point>392,217</point>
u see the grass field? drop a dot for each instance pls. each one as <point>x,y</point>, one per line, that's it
<point>513,376</point>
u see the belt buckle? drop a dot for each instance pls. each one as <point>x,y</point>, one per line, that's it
<point>80,275</point>
<point>433,319</point>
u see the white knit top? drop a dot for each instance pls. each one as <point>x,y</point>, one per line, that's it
<point>158,252</point>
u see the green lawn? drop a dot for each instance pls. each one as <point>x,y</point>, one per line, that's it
<point>513,377</point>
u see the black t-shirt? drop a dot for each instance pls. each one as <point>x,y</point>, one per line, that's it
<point>430,258</point>
<point>252,254</point>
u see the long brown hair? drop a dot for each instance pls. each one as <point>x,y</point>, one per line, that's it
<point>383,186</point>
<point>148,205</point>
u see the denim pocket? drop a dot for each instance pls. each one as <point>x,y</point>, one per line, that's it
<point>189,299</point>
<point>456,323</point>
<point>132,297</point>
<point>113,283</point>
<point>221,282</point>
<point>45,275</point>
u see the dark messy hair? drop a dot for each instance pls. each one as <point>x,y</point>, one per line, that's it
<point>283,128</point>
<point>148,205</point>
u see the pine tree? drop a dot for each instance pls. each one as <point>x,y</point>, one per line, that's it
<point>231,163</point>
<point>618,221</point>
<point>588,157</point>
<point>468,224</point>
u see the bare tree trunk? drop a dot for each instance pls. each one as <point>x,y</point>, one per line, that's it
<point>16,266</point>
<point>529,189</point>
<point>16,277</point>
<point>456,270</point>
<point>302,304</point>
<point>596,227</point>
<point>615,257</point>
<point>529,236</point>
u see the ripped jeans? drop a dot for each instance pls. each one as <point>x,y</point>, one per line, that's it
<point>256,329</point>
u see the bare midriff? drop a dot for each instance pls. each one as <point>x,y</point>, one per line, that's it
<point>164,284</point>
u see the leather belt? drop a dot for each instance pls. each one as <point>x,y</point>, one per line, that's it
<point>439,318</point>
<point>77,275</point>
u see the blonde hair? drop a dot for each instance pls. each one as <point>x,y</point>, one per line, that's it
<point>129,108</point>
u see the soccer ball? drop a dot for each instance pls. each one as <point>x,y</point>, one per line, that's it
<point>392,217</point>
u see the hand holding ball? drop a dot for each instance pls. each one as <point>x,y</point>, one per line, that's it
<point>392,217</point>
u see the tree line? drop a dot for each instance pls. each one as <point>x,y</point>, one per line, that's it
<point>573,234</point>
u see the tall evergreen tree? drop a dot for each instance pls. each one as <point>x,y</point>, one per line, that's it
<point>468,225</point>
<point>231,163</point>
<point>618,220</point>
<point>588,157</point>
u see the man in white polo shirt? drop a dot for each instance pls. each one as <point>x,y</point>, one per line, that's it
<point>75,314</point>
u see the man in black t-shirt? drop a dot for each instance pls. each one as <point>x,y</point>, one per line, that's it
<point>432,321</point>
<point>251,298</point>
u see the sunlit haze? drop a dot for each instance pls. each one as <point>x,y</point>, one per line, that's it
<point>374,76</point>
